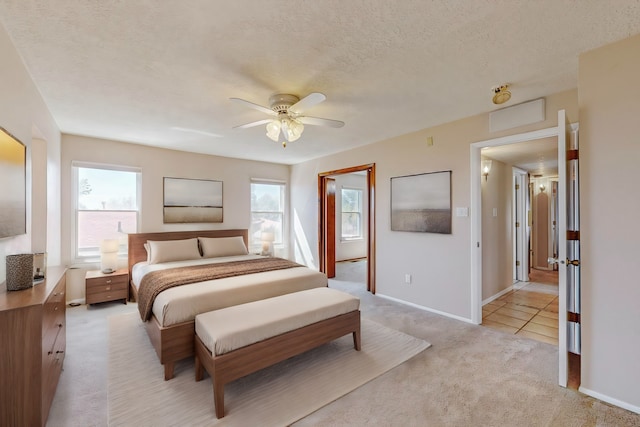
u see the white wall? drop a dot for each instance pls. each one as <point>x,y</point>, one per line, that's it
<point>439,263</point>
<point>157,163</point>
<point>22,110</point>
<point>609,230</point>
<point>351,249</point>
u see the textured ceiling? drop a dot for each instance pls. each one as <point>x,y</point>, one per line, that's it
<point>162,72</point>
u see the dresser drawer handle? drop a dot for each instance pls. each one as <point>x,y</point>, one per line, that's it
<point>108,288</point>
<point>55,308</point>
<point>109,281</point>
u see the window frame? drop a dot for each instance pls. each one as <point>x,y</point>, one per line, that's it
<point>75,166</point>
<point>253,246</point>
<point>360,235</point>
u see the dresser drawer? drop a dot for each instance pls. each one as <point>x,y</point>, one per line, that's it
<point>53,315</point>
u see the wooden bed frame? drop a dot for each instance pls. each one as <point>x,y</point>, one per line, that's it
<point>175,342</point>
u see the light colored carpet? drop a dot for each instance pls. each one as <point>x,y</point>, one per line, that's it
<point>471,376</point>
<point>276,396</point>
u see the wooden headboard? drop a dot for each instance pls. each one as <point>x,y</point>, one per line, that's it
<point>137,252</point>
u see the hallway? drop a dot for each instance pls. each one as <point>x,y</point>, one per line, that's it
<point>530,310</point>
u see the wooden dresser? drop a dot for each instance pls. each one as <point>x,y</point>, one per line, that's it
<point>32,343</point>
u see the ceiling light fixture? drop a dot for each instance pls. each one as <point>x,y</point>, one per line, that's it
<point>288,111</point>
<point>291,129</point>
<point>501,94</point>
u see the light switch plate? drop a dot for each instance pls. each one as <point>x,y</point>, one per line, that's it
<point>462,211</point>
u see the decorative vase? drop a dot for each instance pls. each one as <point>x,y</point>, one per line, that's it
<point>19,272</point>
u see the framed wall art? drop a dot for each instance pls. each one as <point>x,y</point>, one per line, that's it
<point>421,203</point>
<point>13,197</point>
<point>192,200</point>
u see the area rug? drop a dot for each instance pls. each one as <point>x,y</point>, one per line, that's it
<point>276,396</point>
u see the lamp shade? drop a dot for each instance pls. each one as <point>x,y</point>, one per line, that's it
<point>267,236</point>
<point>109,255</point>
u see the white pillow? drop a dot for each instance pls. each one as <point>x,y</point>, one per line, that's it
<point>173,250</point>
<point>222,246</point>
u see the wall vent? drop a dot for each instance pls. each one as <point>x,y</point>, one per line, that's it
<point>518,115</point>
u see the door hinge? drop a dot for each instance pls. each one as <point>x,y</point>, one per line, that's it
<point>517,224</point>
<point>517,186</point>
<point>517,263</point>
<point>572,155</point>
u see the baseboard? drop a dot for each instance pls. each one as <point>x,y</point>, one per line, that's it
<point>498,295</point>
<point>431,310</point>
<point>611,400</point>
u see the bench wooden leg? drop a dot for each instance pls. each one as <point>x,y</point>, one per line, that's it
<point>218,398</point>
<point>168,371</point>
<point>356,339</point>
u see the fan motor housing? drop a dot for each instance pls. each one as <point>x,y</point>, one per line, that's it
<point>280,102</point>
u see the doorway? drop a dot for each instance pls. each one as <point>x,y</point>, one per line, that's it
<point>327,220</point>
<point>559,132</point>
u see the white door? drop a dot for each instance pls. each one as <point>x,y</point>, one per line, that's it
<point>519,226</point>
<point>562,248</point>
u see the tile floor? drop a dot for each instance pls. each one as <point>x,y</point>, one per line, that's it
<point>524,312</point>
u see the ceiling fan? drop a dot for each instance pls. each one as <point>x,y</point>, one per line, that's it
<point>287,112</point>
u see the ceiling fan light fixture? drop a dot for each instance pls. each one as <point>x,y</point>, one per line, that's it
<point>273,130</point>
<point>501,94</point>
<point>290,119</point>
<point>291,129</point>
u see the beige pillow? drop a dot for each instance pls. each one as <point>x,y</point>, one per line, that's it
<point>222,246</point>
<point>173,250</point>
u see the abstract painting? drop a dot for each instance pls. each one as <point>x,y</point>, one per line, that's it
<point>421,203</point>
<point>192,200</point>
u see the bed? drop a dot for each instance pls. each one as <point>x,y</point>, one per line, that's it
<point>171,314</point>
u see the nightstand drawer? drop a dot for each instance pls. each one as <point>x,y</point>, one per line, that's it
<point>100,287</point>
<point>95,287</point>
<point>108,280</point>
<point>112,295</point>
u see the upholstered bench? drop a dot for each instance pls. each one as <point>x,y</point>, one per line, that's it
<point>235,341</point>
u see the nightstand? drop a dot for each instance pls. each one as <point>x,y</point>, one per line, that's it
<point>101,287</point>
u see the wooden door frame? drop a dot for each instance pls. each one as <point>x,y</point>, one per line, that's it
<point>323,245</point>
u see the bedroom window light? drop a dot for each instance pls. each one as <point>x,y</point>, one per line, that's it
<point>106,206</point>
<point>267,213</point>
<point>351,199</point>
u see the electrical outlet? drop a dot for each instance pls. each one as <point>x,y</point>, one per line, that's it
<point>407,279</point>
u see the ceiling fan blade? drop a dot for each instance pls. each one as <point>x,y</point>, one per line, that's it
<point>317,121</point>
<point>252,124</point>
<point>307,102</point>
<point>254,106</point>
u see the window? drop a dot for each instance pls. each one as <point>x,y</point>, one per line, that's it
<point>351,214</point>
<point>106,207</point>
<point>267,212</point>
